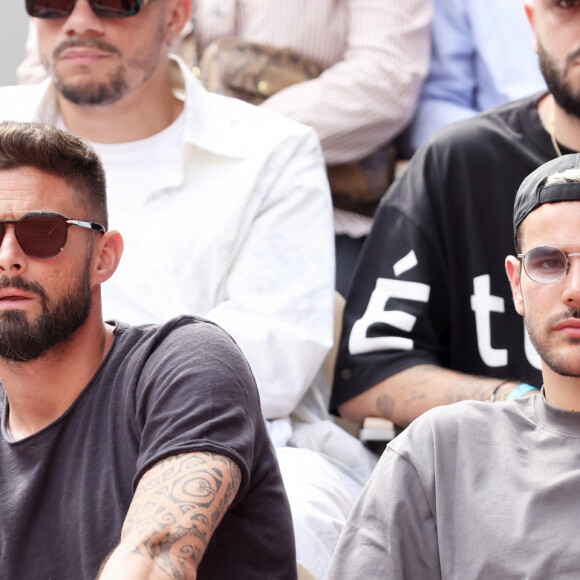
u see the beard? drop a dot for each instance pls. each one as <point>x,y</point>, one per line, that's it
<point>22,340</point>
<point>88,92</point>
<point>564,94</point>
<point>91,92</point>
<point>561,363</point>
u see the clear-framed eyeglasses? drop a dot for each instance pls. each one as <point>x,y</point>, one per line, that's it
<point>547,264</point>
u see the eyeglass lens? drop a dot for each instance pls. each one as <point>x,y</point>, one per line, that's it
<point>39,236</point>
<point>545,265</point>
<point>63,8</point>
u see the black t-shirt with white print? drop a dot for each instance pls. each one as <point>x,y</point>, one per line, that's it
<point>431,287</point>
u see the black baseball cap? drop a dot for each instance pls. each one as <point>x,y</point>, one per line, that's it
<point>533,192</point>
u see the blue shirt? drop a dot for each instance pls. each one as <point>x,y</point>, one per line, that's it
<point>482,56</point>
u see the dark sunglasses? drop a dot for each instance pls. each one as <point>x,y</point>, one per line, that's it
<point>43,235</point>
<point>102,8</point>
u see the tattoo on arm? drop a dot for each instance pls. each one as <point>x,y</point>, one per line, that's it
<point>176,508</point>
<point>416,389</point>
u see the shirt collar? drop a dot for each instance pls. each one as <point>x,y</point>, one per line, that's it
<point>206,126</point>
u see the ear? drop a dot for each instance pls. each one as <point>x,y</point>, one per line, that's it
<point>513,269</point>
<point>179,12</point>
<point>106,256</point>
<point>529,8</point>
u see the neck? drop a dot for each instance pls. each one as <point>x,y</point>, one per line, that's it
<point>139,114</point>
<point>561,392</point>
<point>564,127</point>
<point>40,391</point>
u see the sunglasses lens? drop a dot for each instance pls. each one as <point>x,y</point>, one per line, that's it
<point>115,8</point>
<point>49,8</point>
<point>545,265</point>
<point>62,8</point>
<point>41,236</point>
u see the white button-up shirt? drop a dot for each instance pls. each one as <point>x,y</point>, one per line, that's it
<point>240,232</point>
<point>375,54</point>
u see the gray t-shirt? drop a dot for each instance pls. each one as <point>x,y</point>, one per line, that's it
<point>472,491</point>
<point>180,387</point>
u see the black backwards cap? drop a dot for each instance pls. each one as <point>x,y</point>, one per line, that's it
<point>533,192</point>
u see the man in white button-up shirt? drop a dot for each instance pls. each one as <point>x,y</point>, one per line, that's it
<point>375,54</point>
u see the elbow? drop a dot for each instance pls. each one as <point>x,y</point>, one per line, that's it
<point>355,410</point>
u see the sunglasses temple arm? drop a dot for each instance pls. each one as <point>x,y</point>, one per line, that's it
<point>87,225</point>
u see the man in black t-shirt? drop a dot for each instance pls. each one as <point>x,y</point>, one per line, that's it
<point>125,452</point>
<point>428,319</point>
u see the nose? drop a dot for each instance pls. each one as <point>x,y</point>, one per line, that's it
<point>12,258</point>
<point>571,291</point>
<point>82,21</point>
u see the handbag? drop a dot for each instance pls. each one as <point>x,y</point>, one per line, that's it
<point>253,72</point>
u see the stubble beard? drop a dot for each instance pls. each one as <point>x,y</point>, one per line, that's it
<point>560,363</point>
<point>563,92</point>
<point>90,92</point>
<point>22,340</point>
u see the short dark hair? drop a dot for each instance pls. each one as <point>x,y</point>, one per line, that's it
<point>58,153</point>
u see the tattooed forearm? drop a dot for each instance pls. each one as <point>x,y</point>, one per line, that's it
<point>451,386</point>
<point>176,508</point>
<point>411,392</point>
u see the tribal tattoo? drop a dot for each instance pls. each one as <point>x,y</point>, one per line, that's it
<point>176,508</point>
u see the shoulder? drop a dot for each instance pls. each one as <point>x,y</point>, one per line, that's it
<point>437,424</point>
<point>178,334</point>
<point>504,124</point>
<point>444,431</point>
<point>239,115</point>
<point>217,121</point>
<point>189,345</point>
<point>462,158</point>
<point>186,353</point>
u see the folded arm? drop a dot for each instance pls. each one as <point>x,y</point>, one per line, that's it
<point>176,508</point>
<point>408,394</point>
<point>367,98</point>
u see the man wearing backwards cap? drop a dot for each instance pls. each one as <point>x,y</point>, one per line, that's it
<point>480,490</point>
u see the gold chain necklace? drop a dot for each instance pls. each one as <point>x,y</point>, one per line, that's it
<point>553,128</point>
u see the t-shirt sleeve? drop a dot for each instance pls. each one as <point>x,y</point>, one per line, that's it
<point>196,392</point>
<point>397,309</point>
<point>391,531</point>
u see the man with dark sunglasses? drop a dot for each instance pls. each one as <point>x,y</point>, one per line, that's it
<point>103,8</point>
<point>126,452</point>
<point>226,213</point>
<point>482,490</point>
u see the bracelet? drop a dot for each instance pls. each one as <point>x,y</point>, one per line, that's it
<point>520,391</point>
<point>493,396</point>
